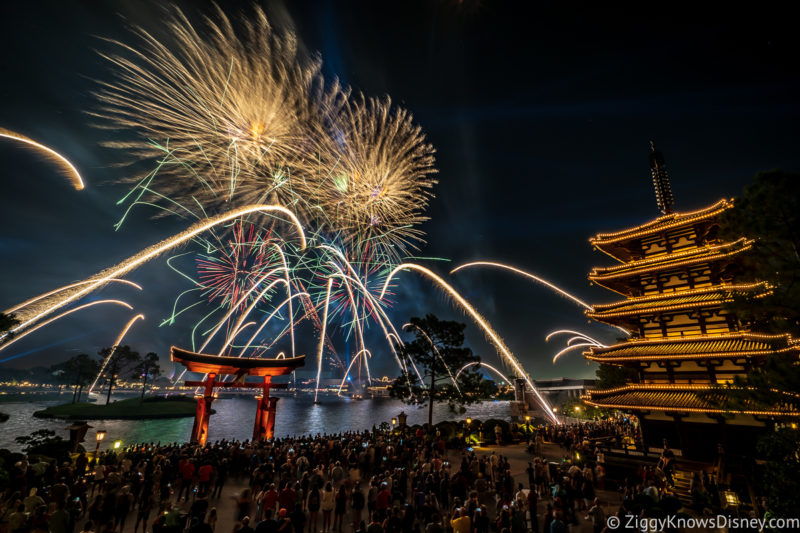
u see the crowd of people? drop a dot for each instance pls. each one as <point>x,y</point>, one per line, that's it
<point>368,482</point>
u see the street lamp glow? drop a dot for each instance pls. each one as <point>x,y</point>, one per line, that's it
<point>394,422</point>
<point>100,435</point>
<point>117,444</point>
<point>469,421</point>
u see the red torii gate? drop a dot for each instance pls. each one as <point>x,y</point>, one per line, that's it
<point>214,365</point>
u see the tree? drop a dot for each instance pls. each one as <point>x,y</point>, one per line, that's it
<point>438,353</point>
<point>79,370</point>
<point>769,212</point>
<point>120,361</point>
<point>613,376</point>
<point>148,366</point>
<point>780,481</point>
<point>44,442</point>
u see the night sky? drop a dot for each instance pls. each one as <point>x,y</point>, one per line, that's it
<point>540,112</point>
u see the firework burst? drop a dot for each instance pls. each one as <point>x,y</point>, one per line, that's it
<point>236,265</point>
<point>224,114</point>
<point>378,180</point>
<point>241,117</point>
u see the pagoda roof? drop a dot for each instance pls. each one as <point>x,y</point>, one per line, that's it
<point>673,301</point>
<point>725,346</point>
<point>661,223</point>
<point>673,397</point>
<point>617,277</point>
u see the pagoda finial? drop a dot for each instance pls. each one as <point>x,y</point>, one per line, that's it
<point>658,170</point>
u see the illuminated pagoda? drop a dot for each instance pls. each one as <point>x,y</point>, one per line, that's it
<point>675,276</point>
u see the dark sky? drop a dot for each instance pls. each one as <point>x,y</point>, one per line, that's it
<point>541,113</point>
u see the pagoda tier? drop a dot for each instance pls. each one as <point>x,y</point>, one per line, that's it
<point>678,399</point>
<point>689,268</point>
<point>665,234</point>
<point>674,314</point>
<point>736,346</point>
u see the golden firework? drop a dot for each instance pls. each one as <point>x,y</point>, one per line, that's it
<point>222,113</point>
<point>378,177</point>
<point>235,115</point>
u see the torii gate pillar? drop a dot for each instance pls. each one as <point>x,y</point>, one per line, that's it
<point>202,413</point>
<point>264,427</point>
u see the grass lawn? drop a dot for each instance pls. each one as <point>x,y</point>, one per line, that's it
<point>133,408</point>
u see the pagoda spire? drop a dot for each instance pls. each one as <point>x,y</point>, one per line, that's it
<point>658,170</point>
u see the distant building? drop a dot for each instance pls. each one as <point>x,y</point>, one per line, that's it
<point>555,391</point>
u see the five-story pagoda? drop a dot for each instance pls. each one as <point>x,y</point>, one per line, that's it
<point>675,276</point>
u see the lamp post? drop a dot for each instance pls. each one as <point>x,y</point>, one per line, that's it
<point>468,421</point>
<point>99,436</point>
<point>528,424</point>
<point>394,423</point>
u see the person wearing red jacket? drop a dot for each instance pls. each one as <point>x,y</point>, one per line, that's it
<point>186,470</point>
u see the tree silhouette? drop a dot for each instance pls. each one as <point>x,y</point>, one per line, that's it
<point>438,352</point>
<point>148,367</point>
<point>79,371</point>
<point>120,361</point>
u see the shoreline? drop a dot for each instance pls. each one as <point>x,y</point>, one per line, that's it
<point>128,409</point>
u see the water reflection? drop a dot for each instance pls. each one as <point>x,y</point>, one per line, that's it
<point>234,419</point>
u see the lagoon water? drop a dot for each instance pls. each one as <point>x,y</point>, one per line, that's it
<point>234,419</point>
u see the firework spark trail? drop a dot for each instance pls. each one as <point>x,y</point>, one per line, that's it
<point>266,321</point>
<point>380,311</point>
<point>381,324</point>
<point>67,168</point>
<point>359,329</point>
<point>481,363</point>
<point>570,348</point>
<point>544,282</point>
<point>340,274</point>
<point>499,344</point>
<point>578,336</point>
<point>312,314</point>
<point>234,307</point>
<point>571,332</point>
<point>322,336</point>
<point>435,349</point>
<point>230,312</point>
<point>236,332</point>
<point>62,315</point>
<point>65,287</point>
<point>364,353</point>
<point>288,293</point>
<point>50,304</point>
<point>248,311</point>
<point>114,348</point>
